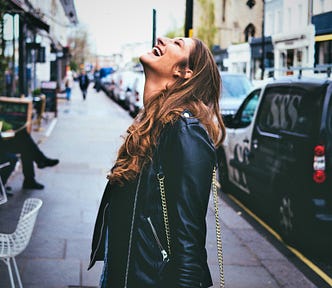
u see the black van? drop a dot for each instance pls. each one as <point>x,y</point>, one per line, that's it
<point>278,154</point>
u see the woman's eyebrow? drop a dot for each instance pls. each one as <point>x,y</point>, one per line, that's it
<point>181,40</point>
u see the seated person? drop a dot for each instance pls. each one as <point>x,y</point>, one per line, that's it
<point>23,143</point>
<point>5,171</point>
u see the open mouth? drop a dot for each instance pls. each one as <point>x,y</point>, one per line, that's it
<point>157,51</point>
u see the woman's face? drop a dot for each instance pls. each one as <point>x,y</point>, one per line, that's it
<point>165,56</point>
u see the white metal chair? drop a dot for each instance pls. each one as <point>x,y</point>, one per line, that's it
<point>13,244</point>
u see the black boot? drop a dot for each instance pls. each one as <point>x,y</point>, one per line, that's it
<point>32,184</point>
<point>47,162</point>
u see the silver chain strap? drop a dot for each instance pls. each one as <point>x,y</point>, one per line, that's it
<point>165,214</point>
<point>218,227</point>
<point>216,210</point>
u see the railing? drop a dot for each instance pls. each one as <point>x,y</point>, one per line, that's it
<point>318,70</point>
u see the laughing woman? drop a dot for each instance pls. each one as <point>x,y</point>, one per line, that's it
<point>150,229</point>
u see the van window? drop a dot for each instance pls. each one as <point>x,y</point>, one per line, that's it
<point>291,110</point>
<point>247,110</point>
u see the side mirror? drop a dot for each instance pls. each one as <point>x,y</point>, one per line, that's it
<point>228,120</point>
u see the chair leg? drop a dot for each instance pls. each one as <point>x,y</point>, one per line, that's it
<point>17,273</point>
<point>7,261</point>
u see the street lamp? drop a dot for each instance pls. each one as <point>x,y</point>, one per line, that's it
<point>153,27</point>
<point>188,25</point>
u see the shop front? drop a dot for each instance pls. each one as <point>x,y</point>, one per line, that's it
<point>293,51</point>
<point>323,38</point>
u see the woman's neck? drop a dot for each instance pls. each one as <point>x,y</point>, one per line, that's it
<point>155,84</point>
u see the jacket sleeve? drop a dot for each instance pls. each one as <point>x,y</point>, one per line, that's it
<point>190,158</point>
<point>99,233</point>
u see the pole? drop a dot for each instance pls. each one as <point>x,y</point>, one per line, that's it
<point>188,24</point>
<point>263,43</point>
<point>153,27</point>
<point>22,61</point>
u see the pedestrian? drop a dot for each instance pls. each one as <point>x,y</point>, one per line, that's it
<point>22,143</point>
<point>84,82</point>
<point>96,76</point>
<point>150,230</point>
<point>69,81</point>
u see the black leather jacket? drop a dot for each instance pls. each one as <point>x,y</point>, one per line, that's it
<point>186,157</point>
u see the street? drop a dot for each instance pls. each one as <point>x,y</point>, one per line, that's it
<point>85,137</point>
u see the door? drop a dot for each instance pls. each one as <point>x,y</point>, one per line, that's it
<point>238,142</point>
<point>265,158</point>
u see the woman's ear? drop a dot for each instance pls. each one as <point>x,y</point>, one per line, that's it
<point>183,73</point>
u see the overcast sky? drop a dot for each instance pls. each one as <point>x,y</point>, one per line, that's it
<point>112,23</point>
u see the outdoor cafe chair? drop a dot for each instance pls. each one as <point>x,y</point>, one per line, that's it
<point>13,244</point>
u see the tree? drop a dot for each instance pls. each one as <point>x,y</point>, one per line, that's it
<point>207,29</point>
<point>175,32</point>
<point>79,47</point>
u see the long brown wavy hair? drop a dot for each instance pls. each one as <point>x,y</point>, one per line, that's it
<point>199,94</point>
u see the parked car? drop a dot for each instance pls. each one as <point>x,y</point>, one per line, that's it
<point>136,95</point>
<point>124,81</point>
<point>278,156</point>
<point>107,84</point>
<point>235,87</point>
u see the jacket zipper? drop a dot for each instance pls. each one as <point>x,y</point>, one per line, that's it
<point>100,235</point>
<point>161,248</point>
<point>131,231</point>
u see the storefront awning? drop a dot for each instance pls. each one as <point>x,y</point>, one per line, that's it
<point>321,38</point>
<point>32,19</point>
<point>35,21</point>
<point>323,23</point>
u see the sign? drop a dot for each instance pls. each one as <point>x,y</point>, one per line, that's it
<point>49,89</point>
<point>17,112</point>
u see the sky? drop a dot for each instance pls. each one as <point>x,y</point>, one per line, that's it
<point>113,23</point>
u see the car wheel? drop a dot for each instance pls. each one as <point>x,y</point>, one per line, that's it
<point>291,216</point>
<point>286,215</point>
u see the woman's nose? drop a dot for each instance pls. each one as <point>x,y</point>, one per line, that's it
<point>162,40</point>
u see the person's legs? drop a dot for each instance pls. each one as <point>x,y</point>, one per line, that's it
<point>84,93</point>
<point>6,171</point>
<point>23,144</point>
<point>68,93</point>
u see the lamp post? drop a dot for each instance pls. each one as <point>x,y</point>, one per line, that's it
<point>188,25</point>
<point>153,27</point>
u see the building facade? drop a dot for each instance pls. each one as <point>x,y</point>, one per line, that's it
<point>322,20</point>
<point>270,37</point>
<point>289,25</point>
<point>236,22</point>
<point>34,48</point>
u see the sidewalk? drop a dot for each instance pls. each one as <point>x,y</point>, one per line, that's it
<point>85,138</point>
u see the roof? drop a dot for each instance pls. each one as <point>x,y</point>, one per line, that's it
<point>303,81</point>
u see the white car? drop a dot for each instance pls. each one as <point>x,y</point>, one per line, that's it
<point>136,95</point>
<point>235,87</point>
<point>124,82</point>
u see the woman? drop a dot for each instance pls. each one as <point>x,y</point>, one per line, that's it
<point>69,80</point>
<point>173,139</point>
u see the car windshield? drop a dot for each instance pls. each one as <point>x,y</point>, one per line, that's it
<point>235,86</point>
